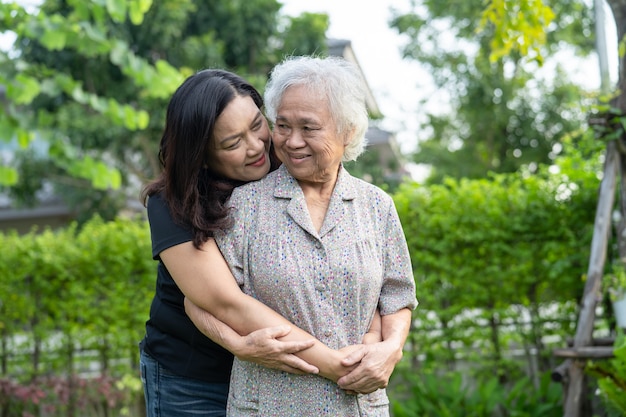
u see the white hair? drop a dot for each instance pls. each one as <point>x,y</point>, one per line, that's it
<point>333,78</point>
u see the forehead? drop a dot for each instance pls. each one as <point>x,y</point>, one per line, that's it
<point>300,100</point>
<point>237,112</point>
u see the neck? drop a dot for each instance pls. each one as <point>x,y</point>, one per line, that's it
<point>320,188</point>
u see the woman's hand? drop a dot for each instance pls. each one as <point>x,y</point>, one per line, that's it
<point>375,362</point>
<point>372,366</point>
<point>336,362</point>
<point>261,346</point>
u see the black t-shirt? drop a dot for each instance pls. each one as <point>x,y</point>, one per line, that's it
<point>171,337</point>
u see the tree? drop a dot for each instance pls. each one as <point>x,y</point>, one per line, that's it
<point>502,116</point>
<point>87,82</point>
<point>610,126</point>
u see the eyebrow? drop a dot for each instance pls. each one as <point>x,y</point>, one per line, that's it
<point>236,135</point>
<point>303,120</point>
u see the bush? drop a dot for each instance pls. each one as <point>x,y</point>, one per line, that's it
<point>611,377</point>
<point>73,304</point>
<point>498,266</point>
<point>454,394</point>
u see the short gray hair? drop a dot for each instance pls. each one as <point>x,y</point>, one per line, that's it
<point>334,78</point>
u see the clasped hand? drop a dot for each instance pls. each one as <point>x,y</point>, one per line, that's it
<point>372,366</point>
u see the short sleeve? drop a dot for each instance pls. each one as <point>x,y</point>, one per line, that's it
<point>398,289</point>
<point>164,231</point>
<point>231,242</point>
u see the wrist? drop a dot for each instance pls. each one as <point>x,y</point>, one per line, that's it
<point>236,345</point>
<point>333,369</point>
<point>396,350</point>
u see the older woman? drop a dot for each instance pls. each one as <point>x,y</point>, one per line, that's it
<point>318,246</point>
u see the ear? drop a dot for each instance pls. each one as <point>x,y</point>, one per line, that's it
<point>348,136</point>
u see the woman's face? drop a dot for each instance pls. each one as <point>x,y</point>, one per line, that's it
<point>241,142</point>
<point>305,137</point>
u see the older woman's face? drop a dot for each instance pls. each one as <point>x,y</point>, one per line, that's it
<point>241,142</point>
<point>305,137</point>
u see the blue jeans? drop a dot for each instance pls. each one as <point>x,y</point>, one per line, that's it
<point>171,395</point>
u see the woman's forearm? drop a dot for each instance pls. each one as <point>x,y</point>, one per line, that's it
<point>206,280</point>
<point>261,346</point>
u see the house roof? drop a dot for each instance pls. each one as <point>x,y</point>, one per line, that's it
<point>377,136</point>
<point>343,48</point>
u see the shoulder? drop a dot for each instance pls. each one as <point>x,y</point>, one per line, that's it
<point>160,217</point>
<point>365,192</point>
<point>255,188</point>
<point>157,206</point>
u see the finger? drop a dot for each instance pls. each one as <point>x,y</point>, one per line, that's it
<point>354,357</point>
<point>361,387</point>
<point>364,385</point>
<point>295,347</point>
<point>359,378</point>
<point>278,331</point>
<point>300,364</point>
<point>350,380</point>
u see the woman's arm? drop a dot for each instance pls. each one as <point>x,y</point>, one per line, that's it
<point>261,346</point>
<point>374,333</point>
<point>218,293</point>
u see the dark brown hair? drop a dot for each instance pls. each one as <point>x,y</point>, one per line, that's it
<point>197,197</point>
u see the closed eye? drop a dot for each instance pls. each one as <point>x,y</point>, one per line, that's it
<point>233,144</point>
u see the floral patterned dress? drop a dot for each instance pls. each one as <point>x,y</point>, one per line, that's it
<point>328,283</point>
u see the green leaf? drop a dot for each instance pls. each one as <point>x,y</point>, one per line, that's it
<point>129,117</point>
<point>118,52</point>
<point>54,39</point>
<point>143,119</point>
<point>24,90</point>
<point>107,177</point>
<point>8,176</point>
<point>117,10</point>
<point>24,137</point>
<point>137,10</point>
<point>7,128</point>
<point>102,176</point>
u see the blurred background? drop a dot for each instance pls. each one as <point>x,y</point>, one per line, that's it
<point>491,125</point>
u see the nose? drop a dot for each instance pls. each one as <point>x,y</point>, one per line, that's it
<point>256,144</point>
<point>294,139</point>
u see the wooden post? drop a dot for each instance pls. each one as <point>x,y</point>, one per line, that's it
<point>593,286</point>
<point>612,168</point>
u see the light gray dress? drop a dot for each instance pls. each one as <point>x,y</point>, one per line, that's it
<point>327,283</point>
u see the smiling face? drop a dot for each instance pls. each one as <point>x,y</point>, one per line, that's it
<point>241,142</point>
<point>305,137</point>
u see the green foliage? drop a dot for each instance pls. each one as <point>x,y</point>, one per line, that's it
<point>519,26</point>
<point>63,291</point>
<point>502,115</point>
<point>611,376</point>
<point>90,79</point>
<point>382,172</point>
<point>306,35</point>
<point>491,258</point>
<point>454,394</point>
<point>59,77</point>
<point>73,304</point>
